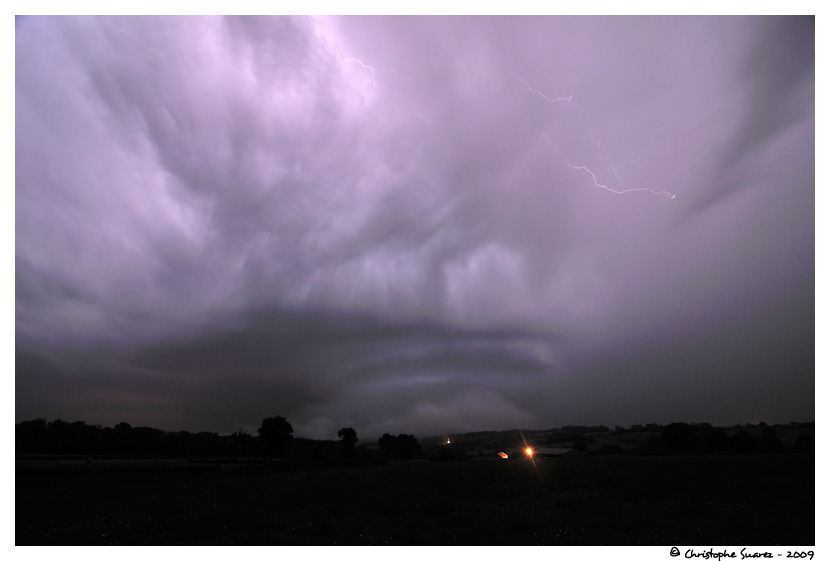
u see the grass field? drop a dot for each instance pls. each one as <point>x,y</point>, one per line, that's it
<point>593,500</point>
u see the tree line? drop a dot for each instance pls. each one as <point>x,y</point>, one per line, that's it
<point>274,439</point>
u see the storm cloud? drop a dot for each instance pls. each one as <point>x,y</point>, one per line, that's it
<point>419,224</point>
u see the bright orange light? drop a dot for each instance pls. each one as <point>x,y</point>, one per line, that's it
<point>529,452</point>
<point>503,455</point>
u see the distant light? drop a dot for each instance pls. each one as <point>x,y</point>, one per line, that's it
<point>529,452</point>
<point>448,441</point>
<point>503,455</point>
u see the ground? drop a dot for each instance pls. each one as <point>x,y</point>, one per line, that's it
<point>592,500</point>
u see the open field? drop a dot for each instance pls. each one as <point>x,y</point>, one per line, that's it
<point>592,500</point>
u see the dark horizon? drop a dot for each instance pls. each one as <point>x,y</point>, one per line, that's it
<point>373,438</point>
<point>427,225</point>
<point>56,438</point>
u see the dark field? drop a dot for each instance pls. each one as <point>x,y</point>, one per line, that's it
<point>592,500</point>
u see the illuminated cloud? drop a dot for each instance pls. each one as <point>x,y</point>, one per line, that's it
<point>416,224</point>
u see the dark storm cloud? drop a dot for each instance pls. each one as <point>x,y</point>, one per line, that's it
<point>413,224</point>
<point>319,370</point>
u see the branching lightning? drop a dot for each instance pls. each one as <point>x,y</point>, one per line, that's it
<point>623,191</point>
<point>534,90</point>
<point>546,98</point>
<point>594,176</point>
<point>615,169</point>
<point>360,62</point>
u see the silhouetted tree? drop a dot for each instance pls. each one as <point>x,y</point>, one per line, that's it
<point>770,439</point>
<point>679,437</point>
<point>30,436</point>
<point>582,443</point>
<point>69,438</point>
<point>62,437</point>
<point>348,441</point>
<point>405,446</point>
<point>715,440</point>
<point>744,441</point>
<point>400,447</point>
<point>242,443</point>
<point>145,440</point>
<point>804,441</point>
<point>275,436</point>
<point>387,445</point>
<point>121,438</point>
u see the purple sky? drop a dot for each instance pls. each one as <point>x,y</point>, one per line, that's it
<point>414,224</point>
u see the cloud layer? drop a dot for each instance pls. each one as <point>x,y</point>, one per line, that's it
<point>429,224</point>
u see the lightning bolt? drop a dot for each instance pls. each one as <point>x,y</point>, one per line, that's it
<point>613,168</point>
<point>370,68</point>
<point>616,169</point>
<point>546,98</point>
<point>623,191</point>
<point>534,90</point>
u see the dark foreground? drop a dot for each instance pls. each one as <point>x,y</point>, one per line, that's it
<point>609,500</point>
